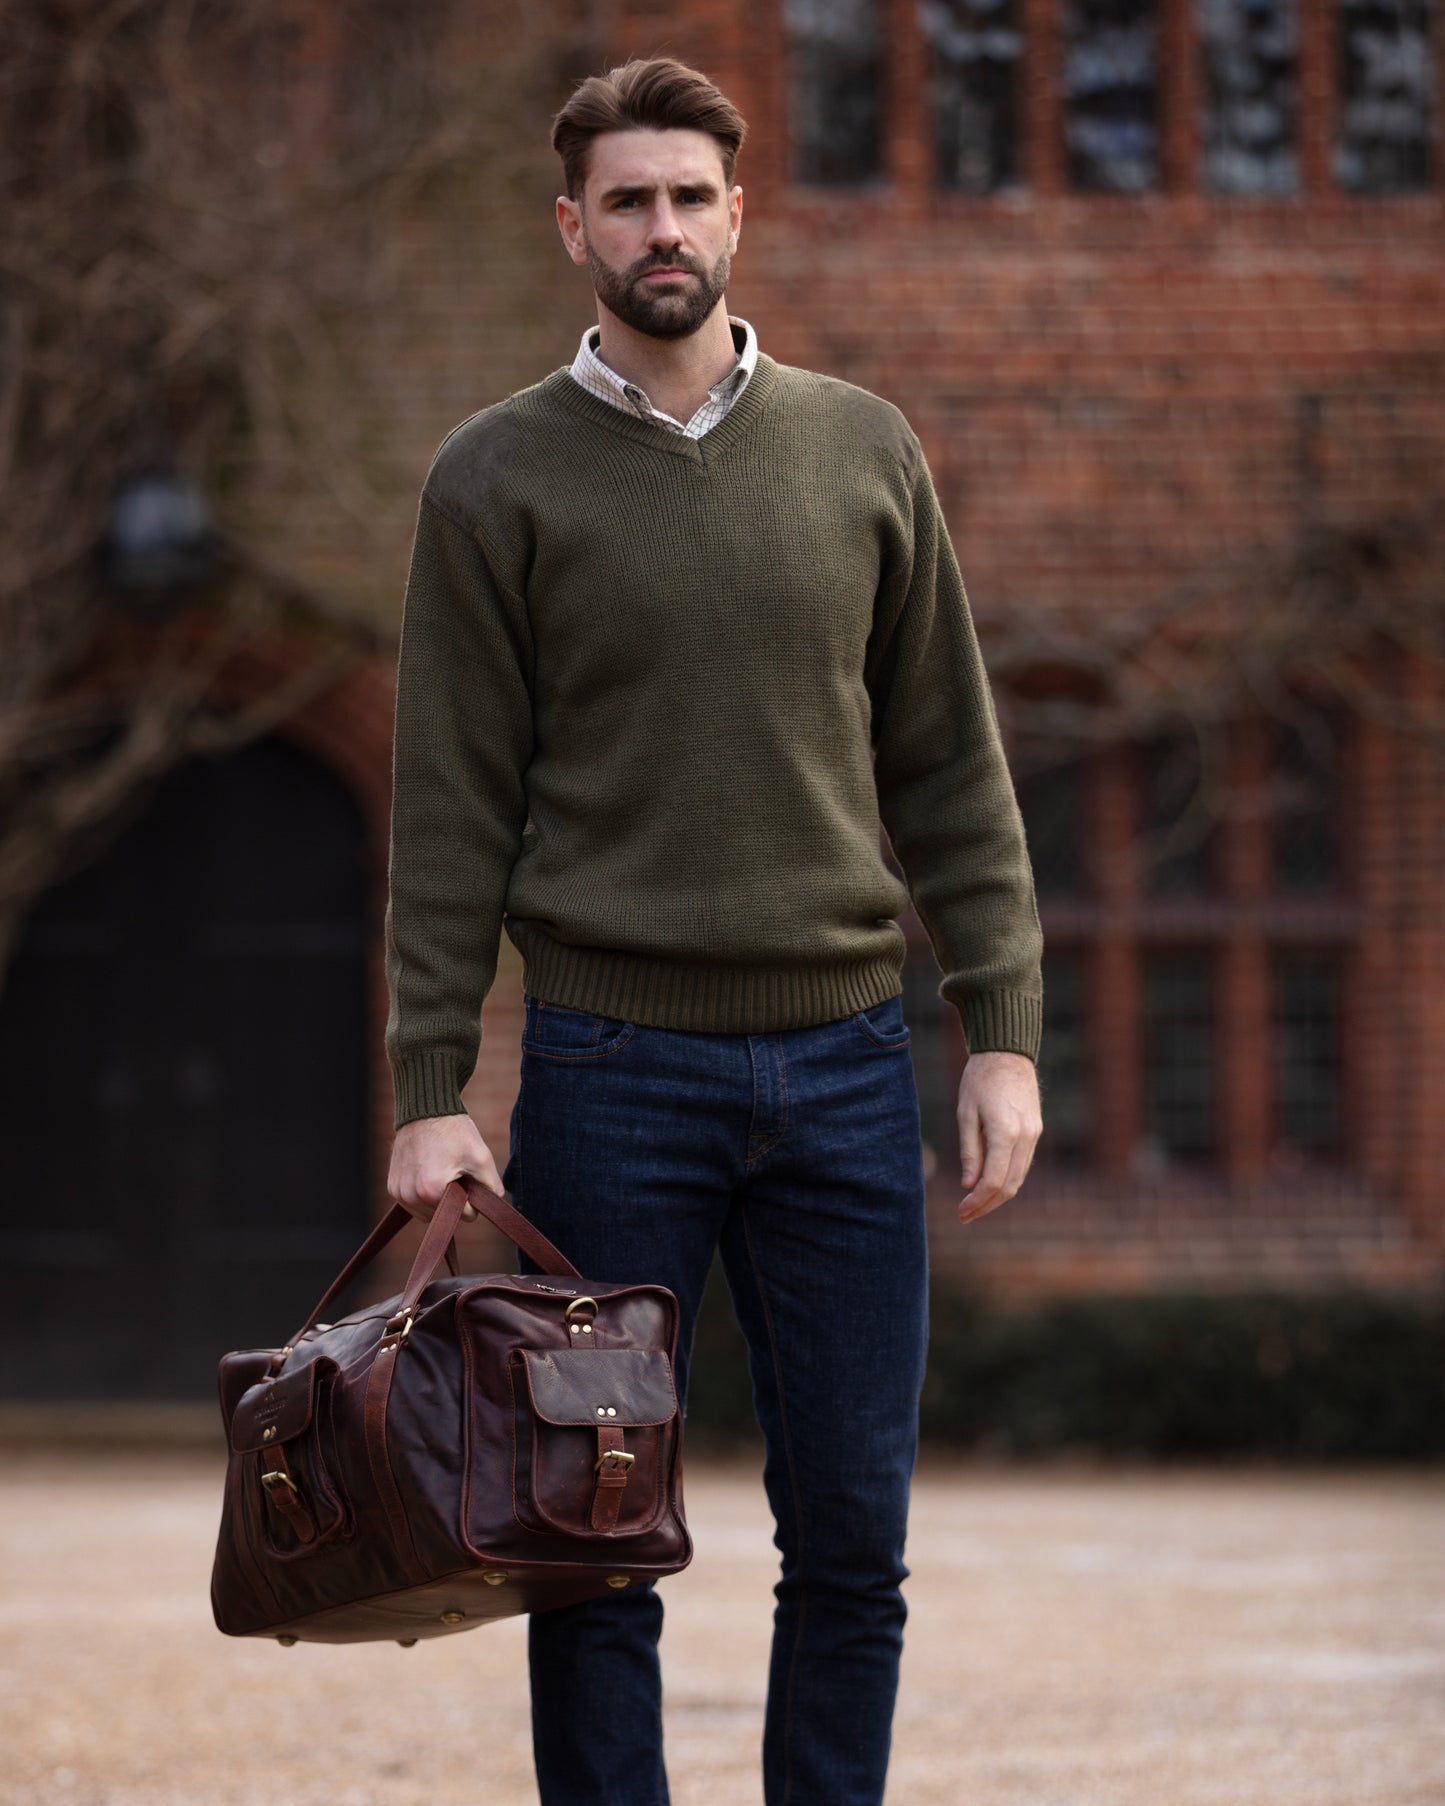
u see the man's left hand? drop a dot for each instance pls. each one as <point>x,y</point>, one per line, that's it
<point>999,1124</point>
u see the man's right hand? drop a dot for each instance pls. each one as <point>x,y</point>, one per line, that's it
<point>429,1153</point>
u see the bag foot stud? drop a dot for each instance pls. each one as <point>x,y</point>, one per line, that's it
<point>619,1580</point>
<point>286,1642</point>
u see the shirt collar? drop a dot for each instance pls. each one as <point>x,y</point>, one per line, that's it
<point>600,379</point>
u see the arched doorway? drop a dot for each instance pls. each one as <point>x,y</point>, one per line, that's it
<point>183,1084</point>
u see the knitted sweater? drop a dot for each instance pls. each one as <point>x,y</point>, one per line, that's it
<point>656,696</point>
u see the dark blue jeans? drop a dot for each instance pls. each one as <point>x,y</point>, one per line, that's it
<point>640,1151</point>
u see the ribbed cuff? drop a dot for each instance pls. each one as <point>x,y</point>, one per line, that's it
<point>1003,1022</point>
<point>427,1085</point>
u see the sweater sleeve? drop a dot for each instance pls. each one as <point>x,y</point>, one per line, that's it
<point>463,742</point>
<point>945,794</point>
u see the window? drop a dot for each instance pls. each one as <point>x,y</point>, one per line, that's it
<point>1062,1061</point>
<point>1110,64</point>
<point>1178,1058</point>
<point>1387,93</point>
<point>1178,839</point>
<point>837,90</point>
<point>973,91</point>
<point>1051,802</point>
<point>1306,807</point>
<point>1306,1016</point>
<point>1247,130</point>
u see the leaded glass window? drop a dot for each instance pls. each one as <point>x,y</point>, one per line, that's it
<point>1248,127</point>
<point>835,118</point>
<point>1307,1052</point>
<point>1387,95</point>
<point>1179,1057</point>
<point>1305,819</point>
<point>1178,839</point>
<point>974,91</point>
<point>1110,101</point>
<point>1062,1062</point>
<point>1051,802</point>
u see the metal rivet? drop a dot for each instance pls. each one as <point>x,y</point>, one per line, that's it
<point>612,1410</point>
<point>267,1434</point>
<point>453,1617</point>
<point>619,1580</point>
<point>602,1410</point>
<point>494,1580</point>
<point>286,1642</point>
<point>406,1642</point>
<point>586,1329</point>
<point>576,1329</point>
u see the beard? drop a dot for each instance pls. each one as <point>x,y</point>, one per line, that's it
<point>674,314</point>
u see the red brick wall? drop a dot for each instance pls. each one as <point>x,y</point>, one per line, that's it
<point>1119,397</point>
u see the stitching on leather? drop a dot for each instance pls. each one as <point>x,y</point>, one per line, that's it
<point>796,1658</point>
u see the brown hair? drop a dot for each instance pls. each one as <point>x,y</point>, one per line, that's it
<point>649,93</point>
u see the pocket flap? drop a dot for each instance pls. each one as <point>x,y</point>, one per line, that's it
<point>278,1410</point>
<point>628,1387</point>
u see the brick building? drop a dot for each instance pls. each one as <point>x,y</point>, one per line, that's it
<point>1162,289</point>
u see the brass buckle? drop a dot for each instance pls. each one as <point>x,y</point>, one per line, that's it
<point>273,1475</point>
<point>577,1304</point>
<point>404,1333</point>
<point>620,1456</point>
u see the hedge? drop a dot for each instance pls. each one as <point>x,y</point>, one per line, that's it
<point>1338,1375</point>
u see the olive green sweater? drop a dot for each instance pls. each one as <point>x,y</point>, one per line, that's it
<point>656,695</point>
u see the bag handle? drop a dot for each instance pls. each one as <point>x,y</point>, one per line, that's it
<point>438,1240</point>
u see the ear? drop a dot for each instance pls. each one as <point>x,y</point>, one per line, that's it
<point>735,218</point>
<point>569,224</point>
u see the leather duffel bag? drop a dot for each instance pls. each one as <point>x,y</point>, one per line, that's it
<point>476,1447</point>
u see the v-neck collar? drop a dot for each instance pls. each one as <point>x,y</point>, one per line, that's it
<point>561,386</point>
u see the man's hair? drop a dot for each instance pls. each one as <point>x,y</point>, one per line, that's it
<point>649,93</point>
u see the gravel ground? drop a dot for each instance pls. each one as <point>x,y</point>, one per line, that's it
<point>1077,1638</point>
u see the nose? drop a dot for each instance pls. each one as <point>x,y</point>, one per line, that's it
<point>665,233</point>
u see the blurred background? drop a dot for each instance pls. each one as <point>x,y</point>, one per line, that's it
<point>1161,286</point>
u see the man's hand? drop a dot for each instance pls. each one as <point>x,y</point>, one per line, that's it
<point>999,1124</point>
<point>429,1153</point>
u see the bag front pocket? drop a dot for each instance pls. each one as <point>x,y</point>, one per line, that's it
<point>596,1430</point>
<point>281,1427</point>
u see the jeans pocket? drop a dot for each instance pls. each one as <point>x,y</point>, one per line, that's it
<point>555,1032</point>
<point>883,1024</point>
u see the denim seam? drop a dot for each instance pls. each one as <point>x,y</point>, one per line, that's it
<point>755,1154</point>
<point>794,1661</point>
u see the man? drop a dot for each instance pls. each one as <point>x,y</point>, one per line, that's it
<point>683,627</point>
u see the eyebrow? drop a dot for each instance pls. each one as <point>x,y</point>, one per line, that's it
<point>628,191</point>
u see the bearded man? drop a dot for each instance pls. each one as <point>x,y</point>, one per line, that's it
<point>683,633</point>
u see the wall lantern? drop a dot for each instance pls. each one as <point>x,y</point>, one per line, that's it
<point>159,548</point>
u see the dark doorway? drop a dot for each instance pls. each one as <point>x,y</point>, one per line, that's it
<point>183,1085</point>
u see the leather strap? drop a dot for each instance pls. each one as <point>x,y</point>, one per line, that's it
<point>284,1494</point>
<point>611,1478</point>
<point>460,1192</point>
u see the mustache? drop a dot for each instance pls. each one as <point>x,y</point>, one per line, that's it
<point>657,261</point>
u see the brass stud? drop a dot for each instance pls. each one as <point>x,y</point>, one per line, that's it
<point>406,1642</point>
<point>268,1433</point>
<point>494,1580</point>
<point>619,1580</point>
<point>576,1328</point>
<point>602,1410</point>
<point>612,1410</point>
<point>586,1329</point>
<point>287,1642</point>
<point>453,1617</point>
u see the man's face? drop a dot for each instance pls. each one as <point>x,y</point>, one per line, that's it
<point>656,226</point>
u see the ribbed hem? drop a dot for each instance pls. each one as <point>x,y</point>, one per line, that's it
<point>1003,1022</point>
<point>714,999</point>
<point>425,1086</point>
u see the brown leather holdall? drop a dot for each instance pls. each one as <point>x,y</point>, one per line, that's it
<point>475,1447</point>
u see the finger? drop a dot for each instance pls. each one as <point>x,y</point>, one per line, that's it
<point>970,1143</point>
<point>988,1193</point>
